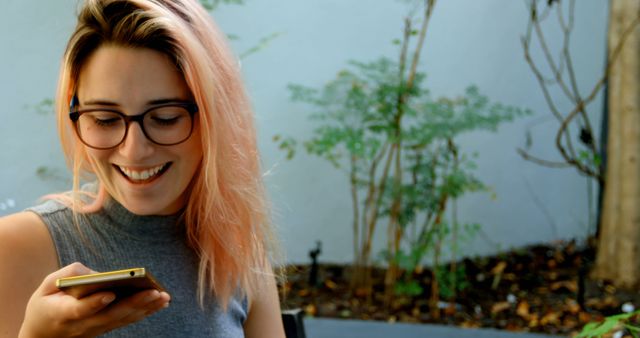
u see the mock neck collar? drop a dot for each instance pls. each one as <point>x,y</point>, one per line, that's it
<point>157,228</point>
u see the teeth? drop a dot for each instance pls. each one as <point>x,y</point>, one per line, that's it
<point>141,175</point>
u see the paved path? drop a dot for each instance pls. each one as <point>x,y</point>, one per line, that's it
<point>337,328</point>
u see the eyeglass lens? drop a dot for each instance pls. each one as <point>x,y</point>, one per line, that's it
<point>163,125</point>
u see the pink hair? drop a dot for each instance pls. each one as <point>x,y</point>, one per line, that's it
<point>226,216</point>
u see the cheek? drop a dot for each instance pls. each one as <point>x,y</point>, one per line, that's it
<point>98,159</point>
<point>191,158</point>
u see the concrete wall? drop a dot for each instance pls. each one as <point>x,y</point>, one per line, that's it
<point>469,42</point>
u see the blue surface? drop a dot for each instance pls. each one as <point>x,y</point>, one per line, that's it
<point>337,328</point>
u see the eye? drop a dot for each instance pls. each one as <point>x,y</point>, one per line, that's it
<point>165,120</point>
<point>168,116</point>
<point>102,118</point>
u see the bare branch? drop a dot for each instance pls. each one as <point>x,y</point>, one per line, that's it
<point>541,81</point>
<point>580,106</point>
<point>567,29</point>
<point>556,70</point>
<point>423,31</point>
<point>546,163</point>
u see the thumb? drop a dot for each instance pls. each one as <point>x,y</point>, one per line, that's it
<point>48,286</point>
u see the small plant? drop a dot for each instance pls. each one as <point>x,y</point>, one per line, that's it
<point>399,146</point>
<point>610,326</point>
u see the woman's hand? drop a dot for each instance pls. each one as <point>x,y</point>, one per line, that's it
<point>53,313</point>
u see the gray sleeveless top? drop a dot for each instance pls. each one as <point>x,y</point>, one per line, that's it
<point>115,238</point>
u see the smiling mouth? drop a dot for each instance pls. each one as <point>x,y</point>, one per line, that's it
<point>143,176</point>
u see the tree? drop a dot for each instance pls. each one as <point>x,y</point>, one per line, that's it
<point>618,249</point>
<point>618,255</point>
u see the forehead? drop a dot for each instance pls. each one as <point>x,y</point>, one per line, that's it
<point>130,75</point>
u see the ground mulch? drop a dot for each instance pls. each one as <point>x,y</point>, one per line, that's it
<point>542,288</point>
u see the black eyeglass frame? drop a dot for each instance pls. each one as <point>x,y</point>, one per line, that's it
<point>74,115</point>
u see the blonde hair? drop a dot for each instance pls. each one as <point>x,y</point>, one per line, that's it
<point>226,216</point>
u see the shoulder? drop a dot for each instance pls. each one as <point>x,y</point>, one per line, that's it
<point>26,242</point>
<point>49,207</point>
<point>26,238</point>
<point>27,256</point>
<point>24,230</point>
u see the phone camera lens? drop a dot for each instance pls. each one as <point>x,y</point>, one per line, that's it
<point>131,273</point>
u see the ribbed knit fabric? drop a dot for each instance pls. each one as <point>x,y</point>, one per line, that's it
<point>115,238</point>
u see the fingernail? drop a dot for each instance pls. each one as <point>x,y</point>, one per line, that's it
<point>166,305</point>
<point>108,299</point>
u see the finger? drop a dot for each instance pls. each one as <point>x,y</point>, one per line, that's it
<point>140,313</point>
<point>94,303</point>
<point>157,306</point>
<point>165,297</point>
<point>75,309</point>
<point>117,312</point>
<point>128,311</point>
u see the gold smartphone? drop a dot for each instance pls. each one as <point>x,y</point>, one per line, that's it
<point>122,282</point>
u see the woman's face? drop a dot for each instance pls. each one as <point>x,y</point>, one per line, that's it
<point>148,179</point>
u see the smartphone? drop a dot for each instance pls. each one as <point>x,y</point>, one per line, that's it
<point>122,282</point>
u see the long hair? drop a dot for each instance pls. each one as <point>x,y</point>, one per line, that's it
<point>226,216</point>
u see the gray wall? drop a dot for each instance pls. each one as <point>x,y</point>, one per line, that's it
<point>469,42</point>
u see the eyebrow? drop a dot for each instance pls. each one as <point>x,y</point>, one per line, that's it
<point>101,102</point>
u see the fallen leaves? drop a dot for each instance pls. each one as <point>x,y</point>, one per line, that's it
<point>529,290</point>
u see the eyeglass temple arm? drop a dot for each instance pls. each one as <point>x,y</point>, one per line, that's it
<point>74,102</point>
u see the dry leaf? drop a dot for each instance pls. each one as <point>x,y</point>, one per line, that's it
<point>303,292</point>
<point>499,268</point>
<point>534,320</point>
<point>552,318</point>
<point>610,289</point>
<point>510,276</point>
<point>570,323</point>
<point>310,310</point>
<point>523,309</point>
<point>330,284</point>
<point>470,324</point>
<point>572,306</point>
<point>570,285</point>
<point>363,292</point>
<point>585,317</point>
<point>499,307</point>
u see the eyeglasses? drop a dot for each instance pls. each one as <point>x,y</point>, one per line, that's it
<point>105,128</point>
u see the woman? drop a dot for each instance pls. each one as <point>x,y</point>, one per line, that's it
<point>150,105</point>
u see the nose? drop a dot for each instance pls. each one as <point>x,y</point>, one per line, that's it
<point>136,146</point>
